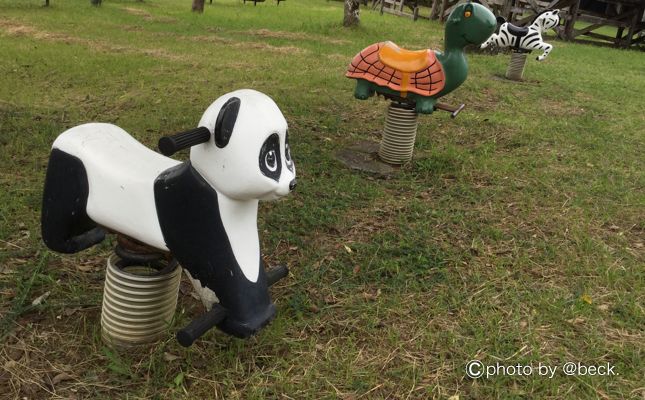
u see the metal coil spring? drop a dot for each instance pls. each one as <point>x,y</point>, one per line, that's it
<point>399,135</point>
<point>139,300</point>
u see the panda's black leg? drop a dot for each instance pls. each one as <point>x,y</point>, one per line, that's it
<point>66,227</point>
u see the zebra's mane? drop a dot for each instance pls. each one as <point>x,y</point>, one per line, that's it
<point>538,16</point>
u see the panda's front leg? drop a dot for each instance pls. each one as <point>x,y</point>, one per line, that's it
<point>547,49</point>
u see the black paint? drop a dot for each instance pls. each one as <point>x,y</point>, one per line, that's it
<point>270,158</point>
<point>65,225</point>
<point>226,121</point>
<point>517,31</point>
<point>189,216</point>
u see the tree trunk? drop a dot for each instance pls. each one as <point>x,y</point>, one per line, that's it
<point>351,13</point>
<point>198,6</point>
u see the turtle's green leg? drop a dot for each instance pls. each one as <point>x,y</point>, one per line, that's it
<point>363,89</point>
<point>425,105</point>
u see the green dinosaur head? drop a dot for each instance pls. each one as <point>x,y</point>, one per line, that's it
<point>469,23</point>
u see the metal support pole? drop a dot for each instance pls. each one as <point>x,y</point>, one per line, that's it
<point>515,71</point>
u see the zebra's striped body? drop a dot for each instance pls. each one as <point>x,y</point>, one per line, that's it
<point>526,39</point>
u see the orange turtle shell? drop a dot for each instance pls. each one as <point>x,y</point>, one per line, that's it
<point>386,64</point>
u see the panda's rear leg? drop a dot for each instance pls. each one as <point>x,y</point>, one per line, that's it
<point>65,225</point>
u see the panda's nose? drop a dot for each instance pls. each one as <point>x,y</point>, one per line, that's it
<point>292,184</point>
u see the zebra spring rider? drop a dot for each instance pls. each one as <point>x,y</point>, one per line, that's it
<point>415,80</point>
<point>523,40</point>
<point>201,212</point>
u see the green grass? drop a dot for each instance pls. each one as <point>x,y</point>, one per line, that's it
<point>516,235</point>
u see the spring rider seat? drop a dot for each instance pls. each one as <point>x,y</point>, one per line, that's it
<point>413,81</point>
<point>200,214</point>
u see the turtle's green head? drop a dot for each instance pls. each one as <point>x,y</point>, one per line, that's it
<point>469,23</point>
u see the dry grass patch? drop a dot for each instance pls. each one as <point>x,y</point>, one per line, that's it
<point>249,45</point>
<point>11,28</point>
<point>266,33</point>
<point>147,16</point>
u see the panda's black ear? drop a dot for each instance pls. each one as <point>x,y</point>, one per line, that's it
<point>226,121</point>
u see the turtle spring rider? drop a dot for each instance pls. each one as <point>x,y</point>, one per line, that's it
<point>415,80</point>
<point>523,40</point>
<point>201,213</point>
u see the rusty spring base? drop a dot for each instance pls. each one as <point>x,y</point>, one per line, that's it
<point>140,295</point>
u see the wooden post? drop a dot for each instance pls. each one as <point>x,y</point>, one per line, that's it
<point>506,10</point>
<point>573,17</point>
<point>351,16</point>
<point>619,36</point>
<point>632,26</point>
<point>444,6</point>
<point>433,10</point>
<point>198,6</point>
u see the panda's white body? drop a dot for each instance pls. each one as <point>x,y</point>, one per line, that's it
<point>121,173</point>
<point>121,176</point>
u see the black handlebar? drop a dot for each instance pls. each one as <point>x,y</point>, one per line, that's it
<point>169,145</point>
<point>201,325</point>
<point>277,273</point>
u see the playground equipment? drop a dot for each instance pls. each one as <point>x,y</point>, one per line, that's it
<point>405,8</point>
<point>523,40</point>
<point>255,2</point>
<point>201,213</point>
<point>414,80</point>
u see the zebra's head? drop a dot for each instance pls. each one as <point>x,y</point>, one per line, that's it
<point>547,20</point>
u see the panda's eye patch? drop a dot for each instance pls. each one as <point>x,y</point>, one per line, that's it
<point>269,160</point>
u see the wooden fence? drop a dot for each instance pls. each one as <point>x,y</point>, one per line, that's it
<point>580,18</point>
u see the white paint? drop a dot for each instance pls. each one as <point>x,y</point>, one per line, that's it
<point>240,222</point>
<point>121,174</point>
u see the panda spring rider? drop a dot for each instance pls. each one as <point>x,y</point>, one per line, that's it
<point>204,211</point>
